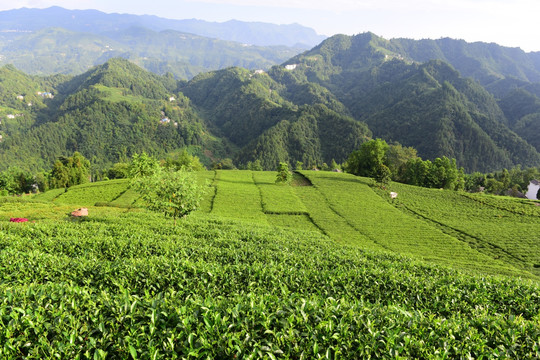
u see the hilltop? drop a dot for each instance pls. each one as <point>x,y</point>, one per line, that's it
<point>108,113</point>
<point>429,105</point>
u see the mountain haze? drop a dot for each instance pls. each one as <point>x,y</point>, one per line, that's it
<point>97,22</point>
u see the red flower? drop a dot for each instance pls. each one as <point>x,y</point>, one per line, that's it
<point>18,220</point>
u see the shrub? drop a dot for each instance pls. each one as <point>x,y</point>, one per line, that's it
<point>176,194</point>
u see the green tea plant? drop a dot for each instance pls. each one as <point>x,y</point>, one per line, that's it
<point>283,174</point>
<point>503,229</point>
<point>92,193</point>
<point>354,200</point>
<point>237,196</point>
<point>277,199</point>
<point>124,284</point>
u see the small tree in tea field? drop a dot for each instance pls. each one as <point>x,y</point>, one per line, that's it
<point>382,174</point>
<point>176,194</point>
<point>143,165</point>
<point>283,176</point>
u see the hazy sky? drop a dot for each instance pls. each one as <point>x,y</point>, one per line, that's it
<point>513,23</point>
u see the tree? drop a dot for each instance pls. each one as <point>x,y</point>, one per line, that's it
<point>444,173</point>
<point>69,171</point>
<point>334,165</point>
<point>79,168</point>
<point>283,176</point>
<point>186,161</point>
<point>120,170</point>
<point>416,172</point>
<point>299,165</point>
<point>255,166</point>
<point>475,181</point>
<point>397,157</point>
<point>383,174</point>
<point>143,165</point>
<point>59,175</point>
<point>225,164</point>
<point>176,194</point>
<point>16,181</point>
<point>494,187</point>
<point>366,160</point>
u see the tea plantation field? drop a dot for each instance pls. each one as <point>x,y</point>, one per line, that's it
<point>331,269</point>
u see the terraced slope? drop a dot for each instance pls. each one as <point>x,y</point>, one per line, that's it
<point>126,283</point>
<point>369,214</point>
<point>464,231</point>
<point>504,229</point>
<point>237,196</point>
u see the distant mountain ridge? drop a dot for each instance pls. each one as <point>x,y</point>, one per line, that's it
<point>57,50</point>
<point>97,22</point>
<point>56,40</point>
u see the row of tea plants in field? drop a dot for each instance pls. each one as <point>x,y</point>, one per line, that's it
<point>504,229</point>
<point>467,231</point>
<point>126,283</point>
<point>353,199</point>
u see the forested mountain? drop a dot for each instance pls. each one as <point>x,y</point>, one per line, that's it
<point>430,105</point>
<point>250,111</point>
<point>57,50</point>
<point>482,61</point>
<point>108,114</point>
<point>118,109</point>
<point>317,107</point>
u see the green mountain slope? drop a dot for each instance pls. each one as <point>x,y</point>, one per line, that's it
<point>250,111</point>
<point>57,50</point>
<point>108,113</point>
<point>429,106</point>
<point>482,61</point>
<point>314,108</point>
